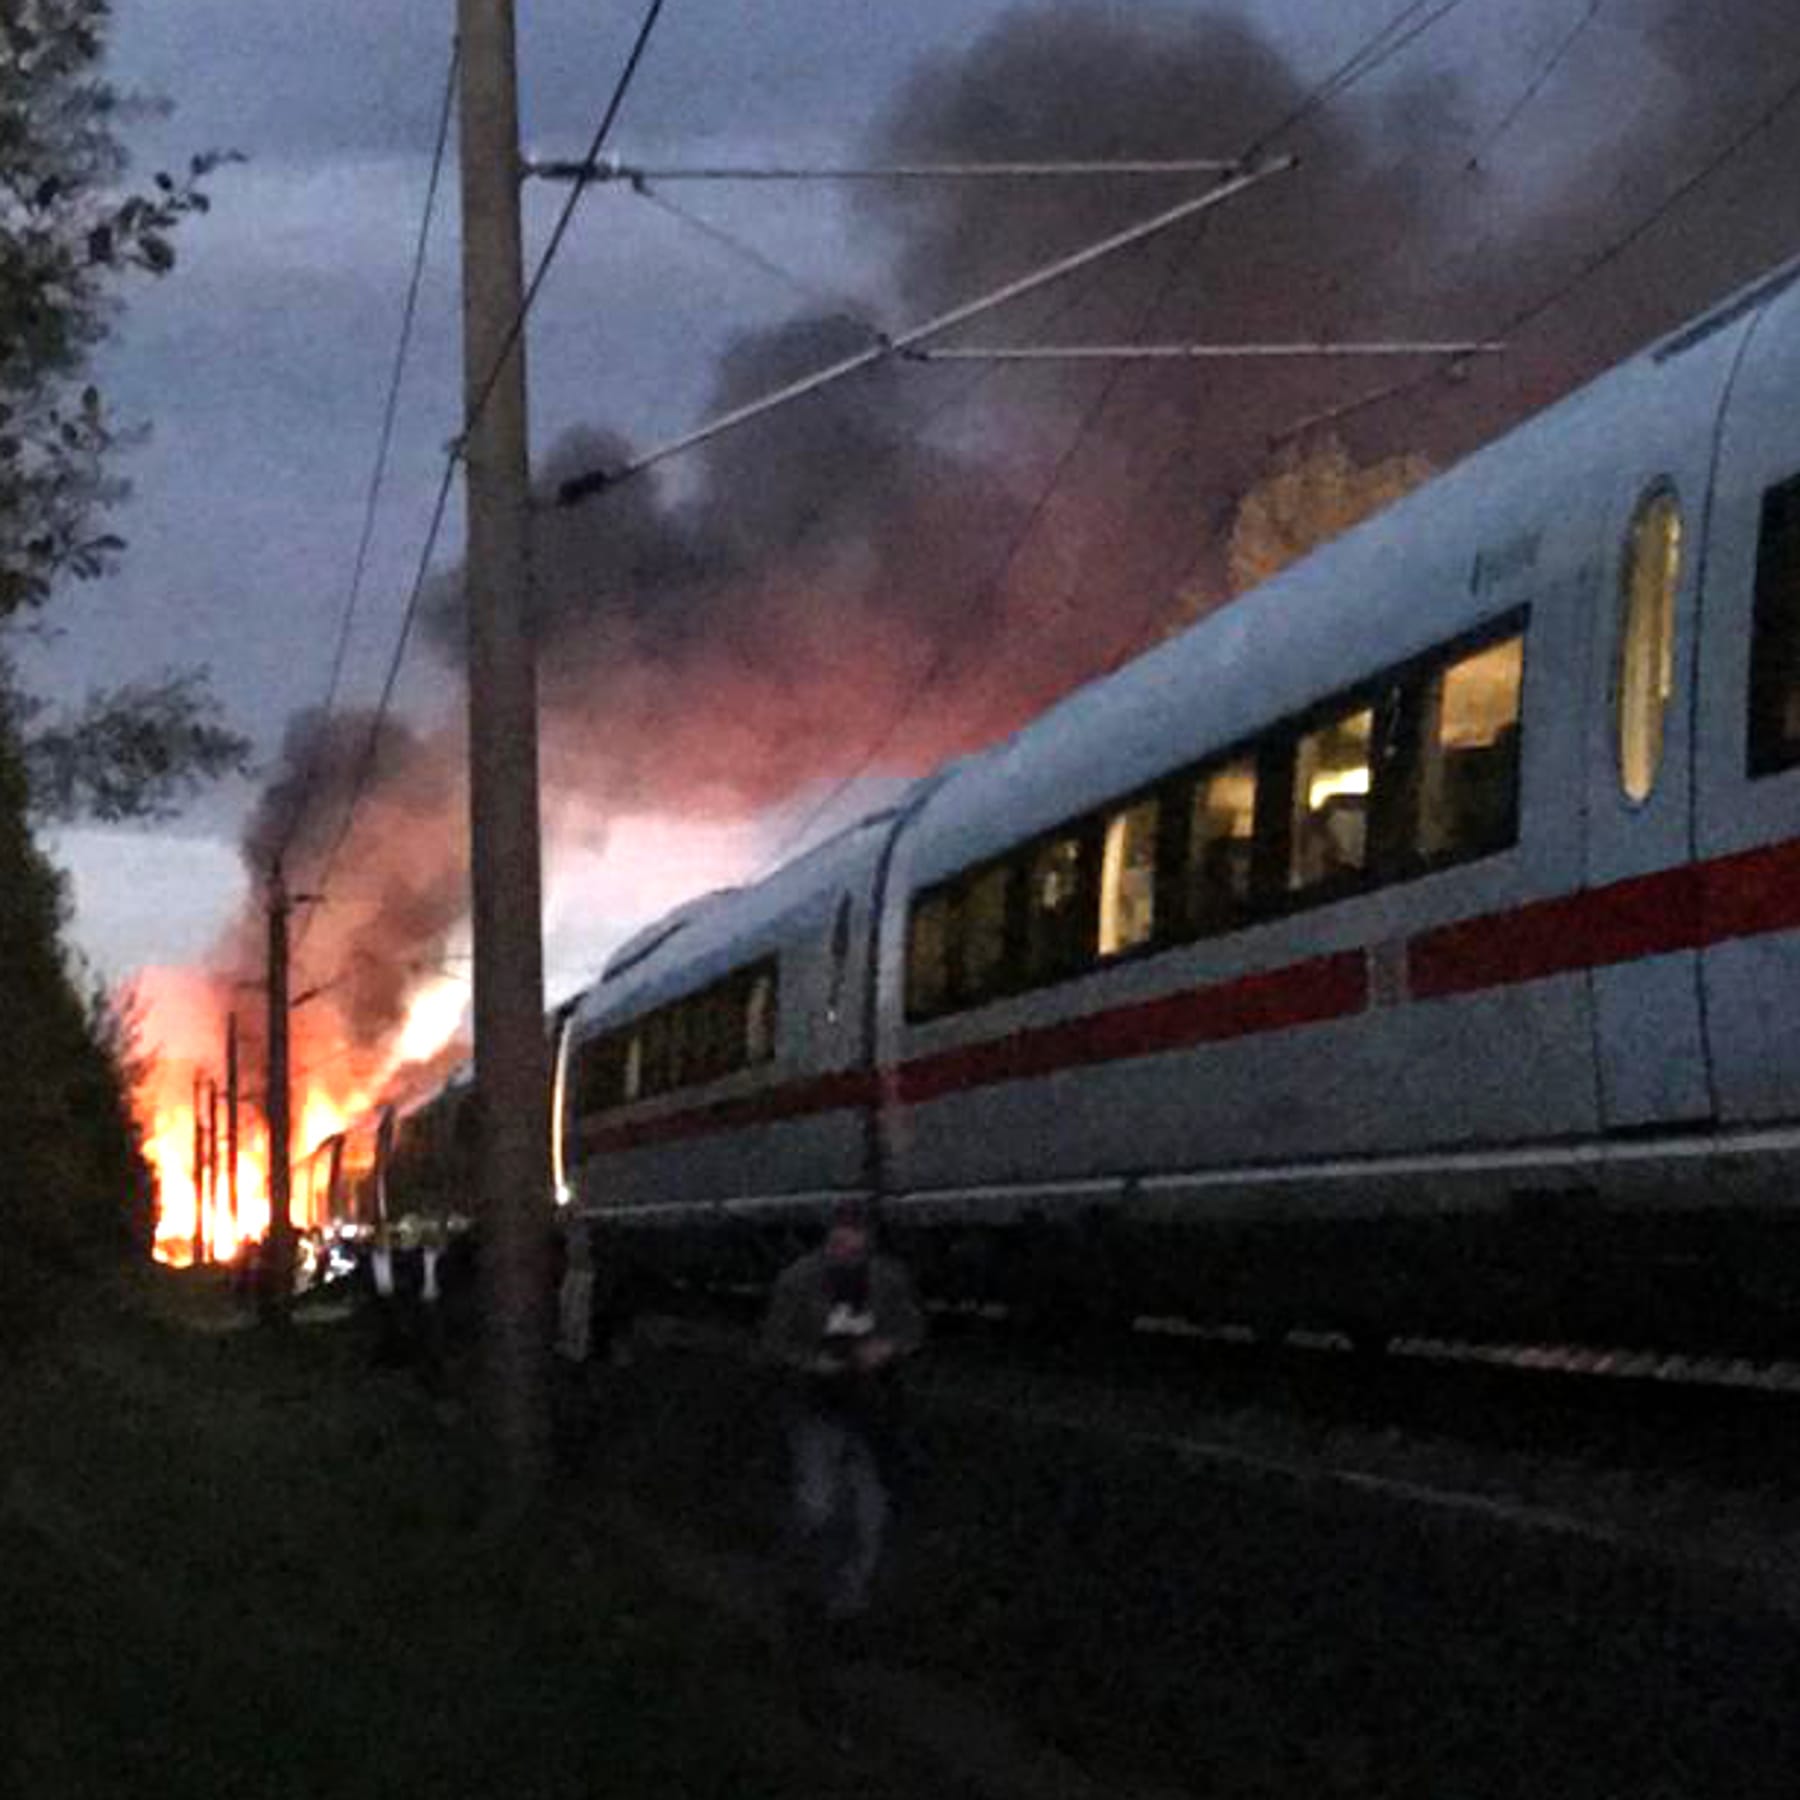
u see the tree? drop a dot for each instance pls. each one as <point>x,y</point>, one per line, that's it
<point>69,234</point>
<point>1305,499</point>
<point>74,1187</point>
<point>131,752</point>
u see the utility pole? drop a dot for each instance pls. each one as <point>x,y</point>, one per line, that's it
<point>199,1241</point>
<point>231,1119</point>
<point>511,1064</point>
<point>278,1250</point>
<point>212,1168</point>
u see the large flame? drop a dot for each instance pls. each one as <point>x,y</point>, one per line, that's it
<point>603,887</point>
<point>184,1016</point>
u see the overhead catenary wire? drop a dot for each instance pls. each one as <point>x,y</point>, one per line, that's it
<point>559,231</point>
<point>1380,48</point>
<point>597,170</point>
<point>365,765</point>
<point>815,293</point>
<point>1385,43</point>
<point>580,487</point>
<point>1538,82</point>
<point>1197,352</point>
<point>384,441</point>
<point>366,762</point>
<point>1603,258</point>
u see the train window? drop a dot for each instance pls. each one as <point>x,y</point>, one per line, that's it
<point>1775,635</point>
<point>655,1038</point>
<point>1056,922</point>
<point>1128,878</point>
<point>981,970</point>
<point>759,1017</point>
<point>1220,841</point>
<point>840,961</point>
<point>928,956</point>
<point>600,1076</point>
<point>677,1031</point>
<point>1328,837</point>
<point>712,1042</point>
<point>1646,674</point>
<point>1468,773</point>
<point>634,1067</point>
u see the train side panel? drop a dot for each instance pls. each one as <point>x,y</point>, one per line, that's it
<point>737,1161</point>
<point>1454,1047</point>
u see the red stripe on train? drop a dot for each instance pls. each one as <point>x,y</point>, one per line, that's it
<point>1308,993</point>
<point>1649,915</point>
<point>1660,914</point>
<point>1752,892</point>
<point>1686,908</point>
<point>824,1093</point>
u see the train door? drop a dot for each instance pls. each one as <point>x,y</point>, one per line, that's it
<point>1650,1048</point>
<point>1749,756</point>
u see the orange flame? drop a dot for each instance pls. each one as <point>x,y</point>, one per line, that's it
<point>184,1030</point>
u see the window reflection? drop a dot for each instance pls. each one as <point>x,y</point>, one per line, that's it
<point>984,933</point>
<point>1647,639</point>
<point>1469,759</point>
<point>1329,836</point>
<point>1775,640</point>
<point>1221,838</point>
<point>928,958</point>
<point>1055,922</point>
<point>1128,879</point>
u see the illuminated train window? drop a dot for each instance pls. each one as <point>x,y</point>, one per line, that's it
<point>1128,879</point>
<point>1329,834</point>
<point>1468,776</point>
<point>759,1018</point>
<point>1408,772</point>
<point>1774,738</point>
<point>1646,674</point>
<point>1221,840</point>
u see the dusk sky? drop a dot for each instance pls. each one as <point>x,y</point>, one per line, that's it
<point>260,365</point>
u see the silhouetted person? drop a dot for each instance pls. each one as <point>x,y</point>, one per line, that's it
<point>839,1321</point>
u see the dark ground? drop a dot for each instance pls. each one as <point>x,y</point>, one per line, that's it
<point>1185,1630</point>
<point>236,1567</point>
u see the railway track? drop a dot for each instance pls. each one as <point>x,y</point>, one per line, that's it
<point>1688,1462</point>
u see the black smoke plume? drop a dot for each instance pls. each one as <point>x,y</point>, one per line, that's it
<point>923,556</point>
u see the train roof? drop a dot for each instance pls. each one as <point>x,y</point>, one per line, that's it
<point>711,936</point>
<point>1472,544</point>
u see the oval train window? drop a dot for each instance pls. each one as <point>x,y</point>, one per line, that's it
<point>1652,574</point>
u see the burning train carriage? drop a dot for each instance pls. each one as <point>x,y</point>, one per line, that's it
<point>429,1171</point>
<point>1412,944</point>
<point>342,1180</point>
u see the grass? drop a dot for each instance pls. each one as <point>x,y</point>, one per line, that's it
<point>240,1565</point>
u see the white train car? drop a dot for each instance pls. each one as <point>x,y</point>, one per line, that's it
<point>1412,944</point>
<point>718,1087</point>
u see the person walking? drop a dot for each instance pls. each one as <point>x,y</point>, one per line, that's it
<point>840,1321</point>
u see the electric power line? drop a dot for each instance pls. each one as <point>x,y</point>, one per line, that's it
<point>815,293</point>
<point>1379,48</point>
<point>1603,258</point>
<point>615,102</point>
<point>366,762</point>
<point>1537,83</point>
<point>384,445</point>
<point>365,767</point>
